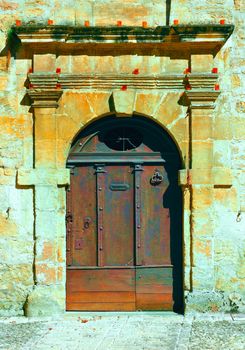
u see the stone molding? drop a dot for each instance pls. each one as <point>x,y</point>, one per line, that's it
<point>49,177</point>
<point>199,99</point>
<point>43,98</point>
<point>110,81</point>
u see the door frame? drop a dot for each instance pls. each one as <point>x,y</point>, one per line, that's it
<point>104,158</point>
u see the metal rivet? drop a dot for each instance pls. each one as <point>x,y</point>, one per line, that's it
<point>137,186</point>
<point>138,226</point>
<point>101,248</point>
<point>138,206</point>
<point>100,188</point>
<point>138,245</point>
<point>101,227</point>
<point>101,208</point>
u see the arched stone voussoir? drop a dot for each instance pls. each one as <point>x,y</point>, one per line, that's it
<point>147,103</point>
<point>81,107</point>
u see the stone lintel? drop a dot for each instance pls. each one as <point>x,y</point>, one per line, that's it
<point>44,98</point>
<point>217,176</point>
<point>44,176</point>
<point>199,99</point>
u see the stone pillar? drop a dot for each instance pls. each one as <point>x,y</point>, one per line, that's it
<point>48,295</point>
<point>200,180</point>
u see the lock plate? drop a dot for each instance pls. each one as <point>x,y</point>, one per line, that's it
<point>79,244</point>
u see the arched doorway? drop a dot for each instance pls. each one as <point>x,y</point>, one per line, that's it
<point>124,218</point>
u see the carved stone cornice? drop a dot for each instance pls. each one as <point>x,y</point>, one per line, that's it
<point>109,81</point>
<point>190,39</point>
<point>44,98</point>
<point>199,99</point>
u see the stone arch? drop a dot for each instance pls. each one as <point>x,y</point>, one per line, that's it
<point>78,110</point>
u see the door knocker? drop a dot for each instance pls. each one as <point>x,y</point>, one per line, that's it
<point>87,222</point>
<point>156,178</point>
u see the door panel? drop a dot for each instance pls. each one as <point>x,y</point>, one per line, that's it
<point>154,288</point>
<point>83,234</point>
<point>101,289</point>
<point>155,237</point>
<point>118,241</point>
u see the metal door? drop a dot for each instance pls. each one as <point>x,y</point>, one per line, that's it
<point>118,238</point>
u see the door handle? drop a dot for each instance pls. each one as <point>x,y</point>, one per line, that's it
<point>87,221</point>
<point>156,178</point>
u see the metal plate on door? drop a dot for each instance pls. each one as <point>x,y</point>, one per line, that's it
<point>119,187</point>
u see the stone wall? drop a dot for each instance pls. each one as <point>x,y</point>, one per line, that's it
<point>32,202</point>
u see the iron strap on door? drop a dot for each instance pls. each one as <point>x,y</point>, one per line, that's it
<point>137,180</point>
<point>69,220</point>
<point>100,189</point>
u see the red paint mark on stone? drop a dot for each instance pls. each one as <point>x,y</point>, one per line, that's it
<point>58,70</point>
<point>188,87</point>
<point>18,22</point>
<point>119,23</point>
<point>144,24</point>
<point>187,71</point>
<point>84,321</point>
<point>31,86</point>
<point>86,23</point>
<point>215,70</point>
<point>30,70</point>
<point>58,86</point>
<point>124,88</point>
<point>216,87</point>
<point>136,71</point>
<point>222,21</point>
<point>50,22</point>
<point>176,22</point>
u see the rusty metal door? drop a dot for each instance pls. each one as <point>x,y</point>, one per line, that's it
<point>118,238</point>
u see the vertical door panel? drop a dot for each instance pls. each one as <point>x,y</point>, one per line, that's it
<point>155,228</point>
<point>84,235</point>
<point>118,225</point>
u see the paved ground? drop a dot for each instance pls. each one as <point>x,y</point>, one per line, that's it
<point>124,331</point>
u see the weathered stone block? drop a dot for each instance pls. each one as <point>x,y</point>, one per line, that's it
<point>201,63</point>
<point>44,63</point>
<point>147,103</point>
<point>222,176</point>
<point>176,66</point>
<point>222,128</point>
<point>45,155</point>
<point>168,110</point>
<point>46,274</point>
<point>202,251</point>
<point>202,222</point>
<point>46,197</point>
<point>202,128</point>
<point>202,196</point>
<point>45,128</point>
<point>83,64</point>
<point>202,154</point>
<point>124,101</point>
<point>64,62</point>
<point>45,301</point>
<point>222,153</point>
